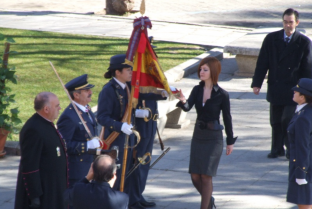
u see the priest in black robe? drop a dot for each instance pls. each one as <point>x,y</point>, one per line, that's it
<point>42,176</point>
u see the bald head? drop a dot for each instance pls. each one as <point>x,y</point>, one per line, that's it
<point>47,105</point>
<point>42,99</point>
<point>104,168</point>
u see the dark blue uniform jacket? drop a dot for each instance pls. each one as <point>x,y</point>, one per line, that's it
<point>300,139</point>
<point>76,138</point>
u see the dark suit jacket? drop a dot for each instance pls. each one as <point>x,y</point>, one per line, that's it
<point>76,138</point>
<point>43,167</point>
<point>300,140</point>
<point>95,195</point>
<point>286,65</point>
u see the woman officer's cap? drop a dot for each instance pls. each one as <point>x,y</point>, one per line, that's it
<point>304,86</point>
<point>116,62</point>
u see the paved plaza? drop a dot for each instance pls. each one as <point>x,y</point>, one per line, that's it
<point>246,178</point>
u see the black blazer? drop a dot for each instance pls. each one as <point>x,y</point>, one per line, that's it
<point>286,65</point>
<point>95,195</point>
<point>218,101</point>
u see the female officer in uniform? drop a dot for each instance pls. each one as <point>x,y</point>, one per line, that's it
<point>300,139</point>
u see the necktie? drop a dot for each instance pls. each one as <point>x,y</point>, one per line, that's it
<point>87,111</point>
<point>287,40</point>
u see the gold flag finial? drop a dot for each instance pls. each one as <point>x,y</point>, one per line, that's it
<point>142,7</point>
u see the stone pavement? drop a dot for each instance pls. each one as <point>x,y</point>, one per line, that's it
<point>246,178</point>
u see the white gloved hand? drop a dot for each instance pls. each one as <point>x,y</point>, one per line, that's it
<point>164,93</point>
<point>93,144</point>
<point>139,113</point>
<point>301,181</point>
<point>172,88</point>
<point>126,128</point>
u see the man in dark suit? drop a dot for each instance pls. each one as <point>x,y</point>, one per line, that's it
<point>42,176</point>
<point>77,139</point>
<point>287,55</point>
<point>99,193</point>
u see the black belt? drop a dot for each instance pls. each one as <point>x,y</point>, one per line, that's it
<point>210,125</point>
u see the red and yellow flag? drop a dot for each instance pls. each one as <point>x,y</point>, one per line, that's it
<point>147,73</point>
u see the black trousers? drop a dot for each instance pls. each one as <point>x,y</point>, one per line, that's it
<point>280,116</point>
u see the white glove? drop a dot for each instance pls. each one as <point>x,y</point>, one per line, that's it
<point>126,128</point>
<point>93,144</point>
<point>164,93</point>
<point>139,113</point>
<point>301,181</point>
<point>172,88</point>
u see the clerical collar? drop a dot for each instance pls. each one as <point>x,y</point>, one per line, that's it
<point>299,107</point>
<point>285,36</point>
<point>123,85</point>
<point>81,107</point>
<point>44,118</point>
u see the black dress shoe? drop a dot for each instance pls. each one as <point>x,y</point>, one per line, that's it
<point>271,155</point>
<point>147,204</point>
<point>137,205</point>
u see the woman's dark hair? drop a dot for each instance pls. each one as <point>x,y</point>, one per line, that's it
<point>307,98</point>
<point>214,66</point>
<point>111,73</point>
<point>104,171</point>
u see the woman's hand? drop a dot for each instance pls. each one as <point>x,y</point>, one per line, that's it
<point>181,97</point>
<point>229,149</point>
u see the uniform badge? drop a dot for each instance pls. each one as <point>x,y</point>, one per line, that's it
<point>58,151</point>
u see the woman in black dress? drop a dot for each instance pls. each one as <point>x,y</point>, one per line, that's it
<point>300,147</point>
<point>207,142</point>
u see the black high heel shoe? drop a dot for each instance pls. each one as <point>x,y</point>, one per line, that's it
<point>212,203</point>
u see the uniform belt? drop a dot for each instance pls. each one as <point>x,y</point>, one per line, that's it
<point>210,125</point>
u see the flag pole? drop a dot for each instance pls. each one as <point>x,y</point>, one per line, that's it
<point>126,146</point>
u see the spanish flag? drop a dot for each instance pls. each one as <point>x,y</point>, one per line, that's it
<point>147,73</point>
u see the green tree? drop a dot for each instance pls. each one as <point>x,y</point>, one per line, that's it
<point>8,116</point>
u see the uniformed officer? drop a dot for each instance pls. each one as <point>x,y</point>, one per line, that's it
<point>300,140</point>
<point>77,139</point>
<point>112,105</point>
<point>146,124</point>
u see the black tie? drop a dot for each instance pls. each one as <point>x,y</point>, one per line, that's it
<point>287,40</point>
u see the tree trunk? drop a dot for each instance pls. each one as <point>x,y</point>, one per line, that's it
<point>109,8</point>
<point>119,7</point>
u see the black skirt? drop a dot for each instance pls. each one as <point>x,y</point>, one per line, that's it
<point>206,150</point>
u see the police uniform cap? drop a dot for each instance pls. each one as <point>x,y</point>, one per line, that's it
<point>304,86</point>
<point>79,83</point>
<point>116,62</point>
